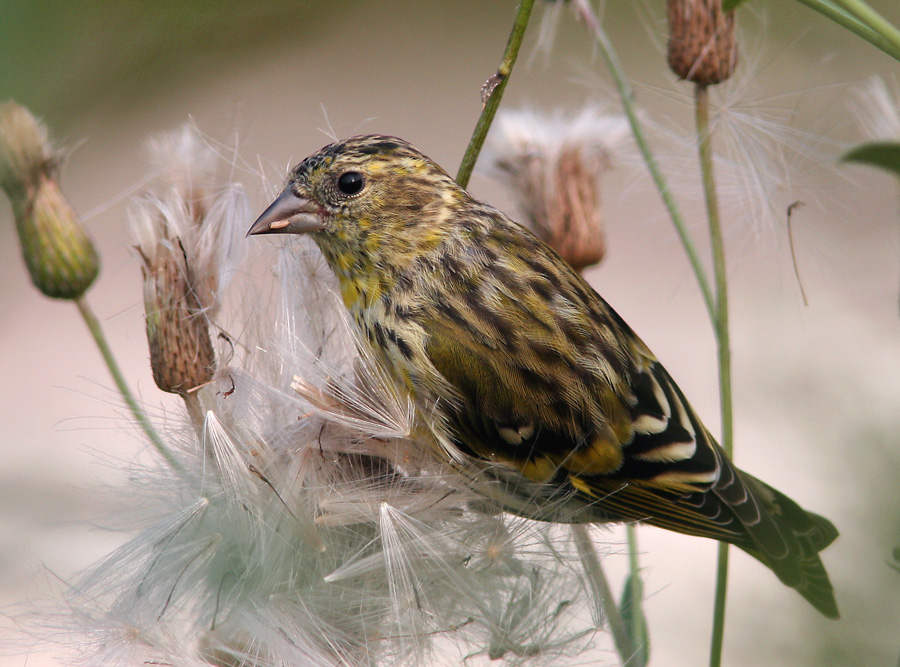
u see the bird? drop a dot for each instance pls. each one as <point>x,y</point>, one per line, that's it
<point>522,366</point>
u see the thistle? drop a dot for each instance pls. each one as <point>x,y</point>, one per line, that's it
<point>553,166</point>
<point>702,44</point>
<point>183,240</point>
<point>58,252</point>
<point>299,520</point>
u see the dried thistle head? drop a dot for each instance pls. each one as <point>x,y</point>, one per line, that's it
<point>282,539</point>
<point>58,252</point>
<point>184,236</point>
<point>702,41</point>
<point>301,527</point>
<point>553,165</point>
<point>178,329</point>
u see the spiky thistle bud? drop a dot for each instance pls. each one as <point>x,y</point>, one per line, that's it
<point>702,42</point>
<point>58,252</point>
<point>554,165</point>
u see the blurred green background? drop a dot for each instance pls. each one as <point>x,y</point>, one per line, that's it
<point>817,387</point>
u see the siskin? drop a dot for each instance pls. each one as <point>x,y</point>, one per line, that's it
<point>520,368</point>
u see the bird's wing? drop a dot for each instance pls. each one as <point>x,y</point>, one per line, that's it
<point>549,378</point>
<point>625,441</point>
<point>562,390</point>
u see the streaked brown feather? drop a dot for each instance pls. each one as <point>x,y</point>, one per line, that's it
<point>535,373</point>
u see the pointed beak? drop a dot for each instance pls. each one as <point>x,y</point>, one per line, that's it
<point>289,214</point>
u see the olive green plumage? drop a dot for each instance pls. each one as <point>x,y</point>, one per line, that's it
<point>512,355</point>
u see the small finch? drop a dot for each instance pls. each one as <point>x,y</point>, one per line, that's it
<point>522,367</point>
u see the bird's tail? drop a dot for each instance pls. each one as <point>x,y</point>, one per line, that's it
<point>788,540</point>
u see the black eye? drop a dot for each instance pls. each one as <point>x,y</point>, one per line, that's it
<point>350,182</point>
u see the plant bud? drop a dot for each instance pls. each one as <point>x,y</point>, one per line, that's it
<point>181,352</point>
<point>702,42</point>
<point>553,166</point>
<point>58,252</point>
<point>186,230</point>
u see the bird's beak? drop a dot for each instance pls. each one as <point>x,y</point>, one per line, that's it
<point>289,214</point>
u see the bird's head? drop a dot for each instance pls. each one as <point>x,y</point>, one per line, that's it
<point>357,194</point>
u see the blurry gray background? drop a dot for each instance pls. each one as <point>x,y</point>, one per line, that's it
<point>817,387</point>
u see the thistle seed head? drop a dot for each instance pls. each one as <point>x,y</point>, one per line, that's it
<point>702,42</point>
<point>184,232</point>
<point>554,166</point>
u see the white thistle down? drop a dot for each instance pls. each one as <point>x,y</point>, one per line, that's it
<point>769,149</point>
<point>877,110</point>
<point>307,528</point>
<point>193,208</point>
<point>525,131</point>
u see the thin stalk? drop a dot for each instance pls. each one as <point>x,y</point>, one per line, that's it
<point>93,325</point>
<point>195,412</point>
<point>594,571</point>
<point>494,92</point>
<point>704,146</point>
<point>718,629</point>
<point>898,305</point>
<point>717,305</point>
<point>638,626</point>
<point>860,19</point>
<point>864,13</point>
<point>585,12</point>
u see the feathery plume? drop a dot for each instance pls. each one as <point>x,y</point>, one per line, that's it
<point>877,109</point>
<point>303,522</point>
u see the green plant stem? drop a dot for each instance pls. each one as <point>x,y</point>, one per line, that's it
<point>493,97</point>
<point>860,19</point>
<point>638,627</point>
<point>863,12</point>
<point>718,628</point>
<point>93,325</point>
<point>586,13</point>
<point>704,146</point>
<point>600,585</point>
<point>716,303</point>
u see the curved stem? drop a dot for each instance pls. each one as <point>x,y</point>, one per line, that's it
<point>704,145</point>
<point>860,19</point>
<point>93,325</point>
<point>493,92</point>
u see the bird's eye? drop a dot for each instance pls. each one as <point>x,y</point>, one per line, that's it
<point>350,182</point>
